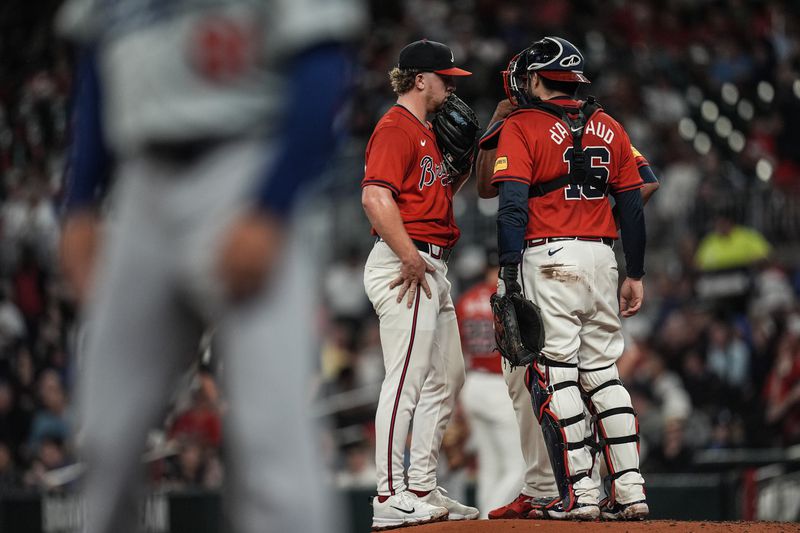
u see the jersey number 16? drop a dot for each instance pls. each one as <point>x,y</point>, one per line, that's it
<point>599,157</point>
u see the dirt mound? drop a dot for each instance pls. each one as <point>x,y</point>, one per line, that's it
<point>649,526</point>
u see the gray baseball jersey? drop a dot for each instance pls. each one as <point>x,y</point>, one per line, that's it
<point>177,70</point>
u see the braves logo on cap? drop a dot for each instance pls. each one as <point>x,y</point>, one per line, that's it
<point>570,61</point>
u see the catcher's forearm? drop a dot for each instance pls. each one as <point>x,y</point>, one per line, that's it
<point>634,239</point>
<point>648,190</point>
<point>484,167</point>
<point>384,215</point>
<point>512,219</point>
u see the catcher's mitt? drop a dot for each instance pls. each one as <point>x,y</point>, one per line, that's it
<point>518,328</point>
<point>456,128</point>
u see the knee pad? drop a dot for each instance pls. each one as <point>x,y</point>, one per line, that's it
<point>557,402</point>
<point>616,425</point>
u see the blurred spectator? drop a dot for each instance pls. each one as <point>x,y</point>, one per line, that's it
<point>9,478</point>
<point>726,431</point>
<point>728,356</point>
<point>782,390</point>
<point>704,386</point>
<point>359,467</point>
<point>725,257</point>
<point>344,293</point>
<point>50,421</point>
<point>50,455</point>
<point>14,423</point>
<point>673,454</point>
<point>195,466</point>
<point>29,291</point>
<point>200,421</point>
<point>12,323</point>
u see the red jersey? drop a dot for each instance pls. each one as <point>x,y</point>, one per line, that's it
<point>402,156</point>
<point>536,147</point>
<point>475,324</point>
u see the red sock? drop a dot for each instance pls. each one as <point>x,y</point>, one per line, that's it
<point>420,493</point>
<point>382,499</point>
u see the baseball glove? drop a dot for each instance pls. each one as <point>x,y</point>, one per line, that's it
<point>518,328</point>
<point>456,128</point>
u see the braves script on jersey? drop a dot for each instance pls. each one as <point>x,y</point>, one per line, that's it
<point>577,210</point>
<point>403,157</point>
<point>475,324</point>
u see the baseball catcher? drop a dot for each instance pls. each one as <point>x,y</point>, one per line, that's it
<point>457,129</point>
<point>518,327</point>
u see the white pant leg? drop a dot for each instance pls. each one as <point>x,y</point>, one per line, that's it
<point>539,480</point>
<point>277,482</point>
<point>407,340</point>
<point>439,392</point>
<point>138,339</point>
<point>494,427</point>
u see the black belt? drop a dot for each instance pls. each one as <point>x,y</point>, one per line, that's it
<point>434,250</point>
<point>608,241</point>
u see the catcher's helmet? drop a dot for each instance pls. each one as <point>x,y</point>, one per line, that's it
<point>553,58</point>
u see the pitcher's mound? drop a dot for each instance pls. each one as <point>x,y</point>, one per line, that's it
<point>647,526</point>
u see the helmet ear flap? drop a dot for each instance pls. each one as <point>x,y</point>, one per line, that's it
<point>515,79</point>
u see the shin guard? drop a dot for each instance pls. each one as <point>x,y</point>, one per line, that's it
<point>618,432</point>
<point>560,410</point>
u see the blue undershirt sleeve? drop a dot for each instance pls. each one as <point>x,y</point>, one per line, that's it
<point>89,160</point>
<point>512,220</point>
<point>632,230</point>
<point>318,83</point>
<point>647,175</point>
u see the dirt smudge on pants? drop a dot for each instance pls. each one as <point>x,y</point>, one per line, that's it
<point>557,272</point>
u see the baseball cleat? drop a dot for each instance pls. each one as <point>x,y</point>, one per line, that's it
<point>457,511</point>
<point>404,509</point>
<point>625,511</point>
<point>519,508</point>
<point>554,510</point>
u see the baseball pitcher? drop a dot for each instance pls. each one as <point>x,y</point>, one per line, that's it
<point>413,169</point>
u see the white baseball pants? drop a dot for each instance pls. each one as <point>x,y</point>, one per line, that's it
<point>424,371</point>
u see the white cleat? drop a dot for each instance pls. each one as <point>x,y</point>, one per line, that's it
<point>626,511</point>
<point>458,511</point>
<point>404,509</point>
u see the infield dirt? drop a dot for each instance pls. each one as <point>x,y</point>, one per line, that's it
<point>649,526</point>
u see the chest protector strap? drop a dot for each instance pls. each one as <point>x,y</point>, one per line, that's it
<point>580,169</point>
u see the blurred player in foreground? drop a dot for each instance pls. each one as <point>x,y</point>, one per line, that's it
<point>211,117</point>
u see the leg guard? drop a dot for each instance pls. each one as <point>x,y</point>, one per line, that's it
<point>560,410</point>
<point>617,431</point>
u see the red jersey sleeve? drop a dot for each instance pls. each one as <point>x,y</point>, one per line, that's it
<point>513,162</point>
<point>389,153</point>
<point>627,178</point>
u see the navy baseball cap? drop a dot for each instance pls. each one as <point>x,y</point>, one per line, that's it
<point>430,56</point>
<point>556,59</point>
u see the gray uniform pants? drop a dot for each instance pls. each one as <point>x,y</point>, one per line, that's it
<point>156,292</point>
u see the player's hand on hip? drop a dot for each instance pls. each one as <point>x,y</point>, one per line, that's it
<point>631,296</point>
<point>412,277</point>
<point>249,250</point>
<point>80,239</point>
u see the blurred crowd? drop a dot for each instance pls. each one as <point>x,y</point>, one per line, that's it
<point>708,91</point>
